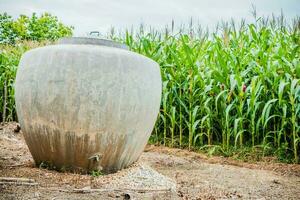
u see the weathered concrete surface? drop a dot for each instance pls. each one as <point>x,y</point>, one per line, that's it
<point>93,41</point>
<point>87,106</point>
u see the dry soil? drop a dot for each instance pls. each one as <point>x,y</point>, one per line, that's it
<point>161,173</point>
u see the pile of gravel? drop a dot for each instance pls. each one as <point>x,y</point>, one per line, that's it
<point>137,177</point>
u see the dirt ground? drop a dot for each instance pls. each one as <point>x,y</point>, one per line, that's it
<point>196,176</point>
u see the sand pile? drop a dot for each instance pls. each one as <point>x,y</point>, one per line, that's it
<point>138,177</point>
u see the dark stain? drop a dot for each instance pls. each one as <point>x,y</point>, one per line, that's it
<point>68,150</point>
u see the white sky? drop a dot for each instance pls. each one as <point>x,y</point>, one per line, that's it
<point>100,15</point>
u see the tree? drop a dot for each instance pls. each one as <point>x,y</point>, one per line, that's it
<point>45,27</point>
<point>7,32</point>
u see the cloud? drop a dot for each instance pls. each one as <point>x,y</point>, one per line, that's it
<point>89,15</point>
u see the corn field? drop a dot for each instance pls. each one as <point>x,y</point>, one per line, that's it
<point>236,88</point>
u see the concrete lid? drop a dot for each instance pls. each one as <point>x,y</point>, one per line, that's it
<point>92,41</point>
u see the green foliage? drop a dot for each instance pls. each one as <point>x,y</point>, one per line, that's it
<point>233,89</point>
<point>45,27</point>
<point>96,173</point>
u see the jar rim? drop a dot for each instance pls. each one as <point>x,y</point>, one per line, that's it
<point>92,41</point>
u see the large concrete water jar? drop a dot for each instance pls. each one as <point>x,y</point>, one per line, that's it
<point>87,104</point>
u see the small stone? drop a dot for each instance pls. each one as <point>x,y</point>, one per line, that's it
<point>126,196</point>
<point>17,128</point>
